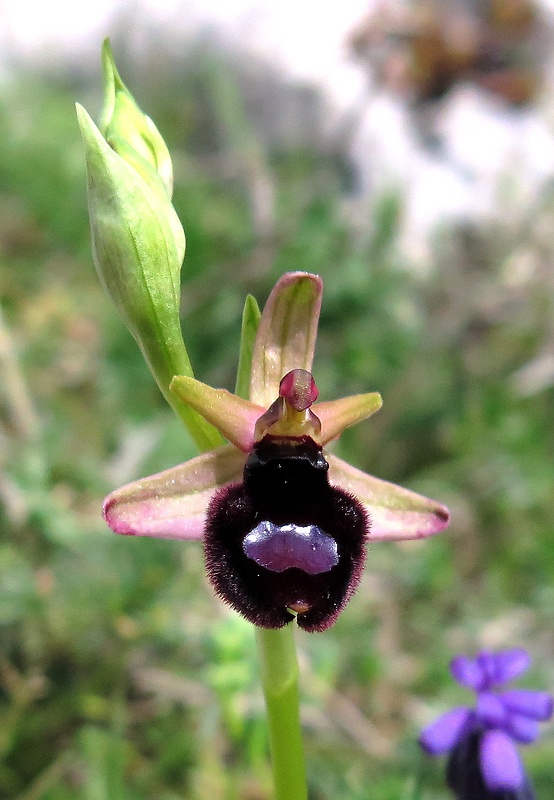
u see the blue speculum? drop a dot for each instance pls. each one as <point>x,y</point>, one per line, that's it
<point>281,547</point>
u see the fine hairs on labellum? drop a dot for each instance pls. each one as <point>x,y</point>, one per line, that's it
<point>284,542</point>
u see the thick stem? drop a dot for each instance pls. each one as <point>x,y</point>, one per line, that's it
<point>279,669</point>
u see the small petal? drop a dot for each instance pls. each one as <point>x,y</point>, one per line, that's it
<point>173,504</point>
<point>509,664</point>
<point>490,709</point>
<point>234,417</point>
<point>500,763</point>
<point>468,672</point>
<point>286,335</point>
<point>337,415</point>
<point>446,731</point>
<point>394,513</point>
<point>536,705</point>
<point>521,728</point>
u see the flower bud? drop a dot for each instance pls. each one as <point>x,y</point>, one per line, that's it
<point>137,239</point>
<point>129,131</point>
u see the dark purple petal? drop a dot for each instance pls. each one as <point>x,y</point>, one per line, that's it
<point>490,710</point>
<point>521,728</point>
<point>500,763</point>
<point>285,541</point>
<point>468,672</point>
<point>509,664</point>
<point>446,731</point>
<point>536,705</point>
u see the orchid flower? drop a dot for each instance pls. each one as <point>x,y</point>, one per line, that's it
<point>285,524</point>
<point>484,763</point>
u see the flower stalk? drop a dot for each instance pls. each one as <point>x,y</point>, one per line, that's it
<point>279,673</point>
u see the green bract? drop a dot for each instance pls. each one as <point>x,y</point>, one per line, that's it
<point>137,240</point>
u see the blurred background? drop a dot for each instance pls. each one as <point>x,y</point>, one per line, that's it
<point>405,152</point>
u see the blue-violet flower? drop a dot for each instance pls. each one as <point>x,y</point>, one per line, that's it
<point>484,763</point>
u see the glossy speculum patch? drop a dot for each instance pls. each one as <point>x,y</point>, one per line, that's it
<point>281,547</point>
<point>284,542</point>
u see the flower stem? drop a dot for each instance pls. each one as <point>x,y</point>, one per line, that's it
<point>279,669</point>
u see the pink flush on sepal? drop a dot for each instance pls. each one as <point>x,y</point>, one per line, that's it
<point>284,523</point>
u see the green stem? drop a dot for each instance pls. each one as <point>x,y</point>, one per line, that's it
<point>279,669</point>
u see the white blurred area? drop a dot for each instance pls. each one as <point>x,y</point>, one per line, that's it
<point>492,158</point>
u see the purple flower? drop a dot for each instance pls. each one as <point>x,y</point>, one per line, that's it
<point>484,762</point>
<point>284,523</point>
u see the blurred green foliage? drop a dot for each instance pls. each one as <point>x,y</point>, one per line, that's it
<point>120,675</point>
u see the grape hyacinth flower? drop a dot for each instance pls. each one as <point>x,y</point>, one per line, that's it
<point>483,761</point>
<point>284,523</point>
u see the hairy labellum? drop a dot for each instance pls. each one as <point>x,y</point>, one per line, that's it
<point>284,541</point>
<point>464,774</point>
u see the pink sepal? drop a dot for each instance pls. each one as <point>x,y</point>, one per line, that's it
<point>394,513</point>
<point>173,503</point>
<point>286,335</point>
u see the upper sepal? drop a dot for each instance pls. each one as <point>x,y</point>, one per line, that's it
<point>286,335</point>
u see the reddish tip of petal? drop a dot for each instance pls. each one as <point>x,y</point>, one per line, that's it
<point>120,526</point>
<point>147,517</point>
<point>299,389</point>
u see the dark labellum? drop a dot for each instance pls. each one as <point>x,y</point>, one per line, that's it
<point>284,541</point>
<point>465,778</point>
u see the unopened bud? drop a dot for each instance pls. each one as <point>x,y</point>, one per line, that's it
<point>138,241</point>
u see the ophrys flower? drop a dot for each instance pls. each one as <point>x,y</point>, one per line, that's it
<point>284,523</point>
